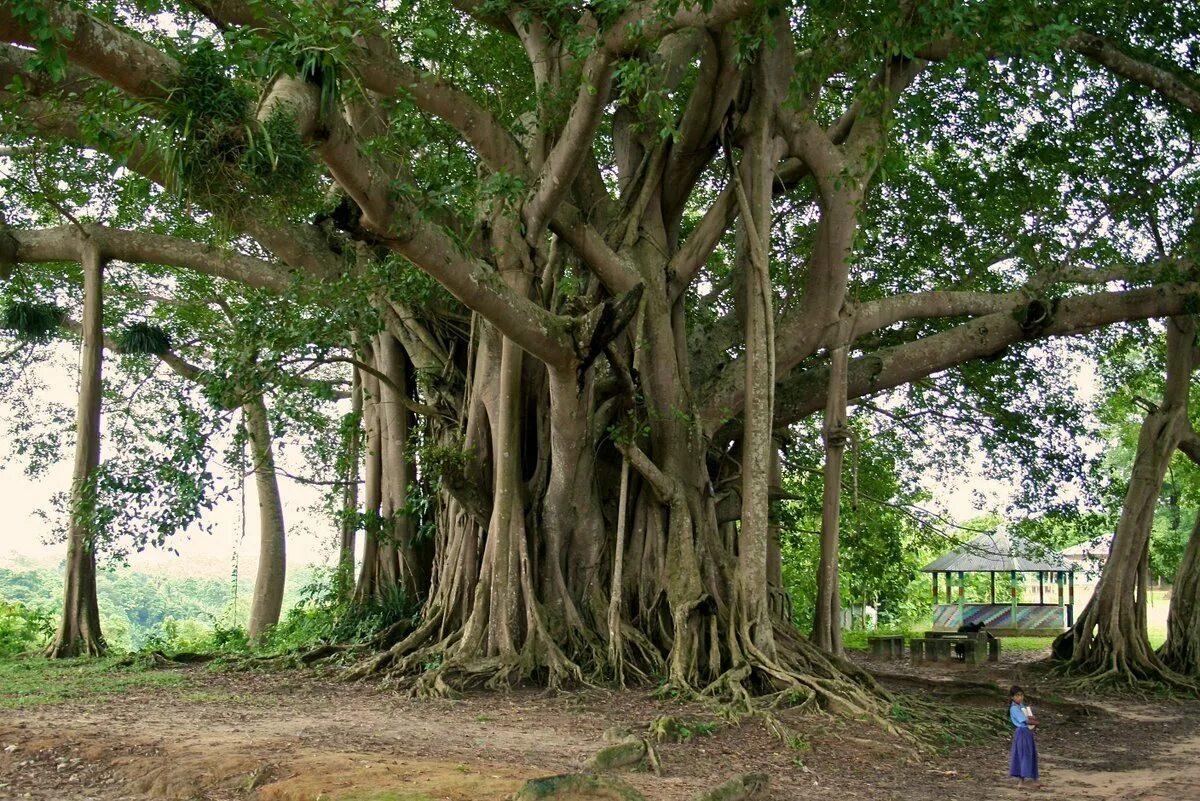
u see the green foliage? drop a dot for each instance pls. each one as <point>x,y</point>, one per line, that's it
<point>325,615</point>
<point>23,628</point>
<point>885,534</point>
<point>139,611</point>
<point>35,18</point>
<point>223,156</point>
<point>157,482</point>
<point>33,322</point>
<point>145,339</point>
<point>174,636</point>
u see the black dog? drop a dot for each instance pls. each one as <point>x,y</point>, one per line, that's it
<point>960,650</point>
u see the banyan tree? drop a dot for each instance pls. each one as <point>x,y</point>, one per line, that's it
<point>601,257</point>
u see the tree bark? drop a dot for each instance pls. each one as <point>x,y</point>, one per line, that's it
<point>380,568</point>
<point>1181,651</point>
<point>752,611</point>
<point>267,604</point>
<point>1109,641</point>
<point>827,623</point>
<point>399,468</point>
<point>351,518</point>
<point>79,628</point>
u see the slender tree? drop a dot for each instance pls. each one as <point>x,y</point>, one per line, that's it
<point>79,628</point>
<point>1180,652</point>
<point>272,532</point>
<point>351,461</point>
<point>1109,639</point>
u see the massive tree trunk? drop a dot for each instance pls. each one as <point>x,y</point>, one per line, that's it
<point>267,604</point>
<point>79,628</point>
<point>751,603</point>
<point>1109,640</point>
<point>1181,651</point>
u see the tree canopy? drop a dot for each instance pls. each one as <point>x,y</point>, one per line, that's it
<point>592,263</point>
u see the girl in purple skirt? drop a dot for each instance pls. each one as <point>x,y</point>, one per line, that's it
<point>1023,765</point>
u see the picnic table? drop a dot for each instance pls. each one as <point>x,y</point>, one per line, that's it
<point>939,646</point>
<point>886,646</point>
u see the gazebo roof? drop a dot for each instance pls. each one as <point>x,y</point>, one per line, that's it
<point>998,552</point>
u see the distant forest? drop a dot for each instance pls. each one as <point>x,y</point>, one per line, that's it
<point>137,609</point>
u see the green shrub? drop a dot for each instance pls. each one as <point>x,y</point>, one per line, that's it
<point>326,615</point>
<point>23,628</point>
<point>174,636</point>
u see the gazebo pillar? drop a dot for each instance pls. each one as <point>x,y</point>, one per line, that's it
<point>935,590</point>
<point>993,575</point>
<point>1071,604</point>
<point>949,589</point>
<point>1012,578</point>
<point>961,597</point>
<point>1041,588</point>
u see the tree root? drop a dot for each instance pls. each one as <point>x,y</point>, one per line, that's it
<point>1116,666</point>
<point>577,787</point>
<point>742,788</point>
<point>1145,681</point>
<point>632,753</point>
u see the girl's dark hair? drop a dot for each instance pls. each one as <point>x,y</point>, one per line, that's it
<point>1016,689</point>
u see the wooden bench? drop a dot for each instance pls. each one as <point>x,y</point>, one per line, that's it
<point>930,649</point>
<point>886,646</point>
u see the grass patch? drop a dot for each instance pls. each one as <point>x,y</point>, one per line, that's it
<point>385,795</point>
<point>857,640</point>
<point>35,681</point>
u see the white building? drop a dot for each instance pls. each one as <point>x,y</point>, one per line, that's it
<point>1088,558</point>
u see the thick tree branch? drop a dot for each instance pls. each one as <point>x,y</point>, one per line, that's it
<point>687,262</point>
<point>115,55</point>
<point>1190,445</point>
<point>876,314</point>
<point>1110,56</point>
<point>399,225</point>
<point>804,394</point>
<point>616,273</point>
<point>664,486</point>
<point>567,156</point>
<point>382,71</point>
<point>646,22</point>
<point>62,244</point>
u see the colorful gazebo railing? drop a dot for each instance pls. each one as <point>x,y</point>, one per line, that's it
<point>1000,554</point>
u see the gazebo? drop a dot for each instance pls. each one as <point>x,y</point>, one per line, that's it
<point>1006,555</point>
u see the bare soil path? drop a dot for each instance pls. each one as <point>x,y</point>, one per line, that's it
<point>298,737</point>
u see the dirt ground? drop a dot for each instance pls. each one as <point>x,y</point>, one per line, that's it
<point>301,737</point>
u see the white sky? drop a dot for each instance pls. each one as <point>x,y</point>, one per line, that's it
<point>311,537</point>
<point>23,534</point>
